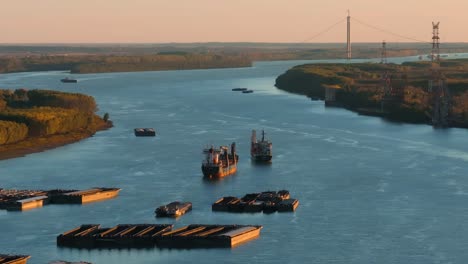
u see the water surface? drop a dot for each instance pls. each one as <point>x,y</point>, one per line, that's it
<point>370,191</point>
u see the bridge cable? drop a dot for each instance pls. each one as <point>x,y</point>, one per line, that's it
<point>324,31</point>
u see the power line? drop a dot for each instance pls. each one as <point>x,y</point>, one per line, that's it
<point>324,31</point>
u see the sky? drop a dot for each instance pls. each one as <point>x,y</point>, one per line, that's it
<point>163,21</point>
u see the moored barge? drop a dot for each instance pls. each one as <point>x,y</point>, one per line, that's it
<point>151,235</point>
<point>145,132</point>
<point>174,209</point>
<point>268,202</point>
<point>14,259</point>
<point>219,163</point>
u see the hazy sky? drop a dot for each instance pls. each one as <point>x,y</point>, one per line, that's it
<point>86,21</point>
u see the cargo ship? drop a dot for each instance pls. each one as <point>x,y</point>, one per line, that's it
<point>219,162</point>
<point>260,151</point>
<point>174,209</point>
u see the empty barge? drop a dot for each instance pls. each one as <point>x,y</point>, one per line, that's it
<point>174,209</point>
<point>120,236</point>
<point>84,196</point>
<point>267,202</point>
<point>20,200</point>
<point>208,236</point>
<point>13,259</point>
<point>157,235</point>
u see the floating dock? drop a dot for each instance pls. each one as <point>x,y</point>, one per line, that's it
<point>268,202</point>
<point>13,259</point>
<point>21,200</point>
<point>157,235</point>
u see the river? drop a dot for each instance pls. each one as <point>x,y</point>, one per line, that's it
<point>370,191</point>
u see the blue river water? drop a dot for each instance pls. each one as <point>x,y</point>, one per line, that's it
<point>370,191</point>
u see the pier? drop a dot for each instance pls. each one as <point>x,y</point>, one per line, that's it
<point>158,235</point>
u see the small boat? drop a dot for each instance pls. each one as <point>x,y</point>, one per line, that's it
<point>239,89</point>
<point>247,91</point>
<point>174,209</point>
<point>68,80</point>
<point>145,132</point>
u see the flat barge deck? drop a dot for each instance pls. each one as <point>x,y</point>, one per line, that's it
<point>21,200</point>
<point>268,202</point>
<point>13,259</point>
<point>157,235</point>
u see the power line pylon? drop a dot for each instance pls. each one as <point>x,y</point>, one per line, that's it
<point>383,54</point>
<point>438,90</point>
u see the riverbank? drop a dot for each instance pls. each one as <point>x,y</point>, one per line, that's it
<point>40,144</point>
<point>360,88</point>
<point>36,120</point>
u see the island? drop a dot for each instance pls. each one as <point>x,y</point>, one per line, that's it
<point>36,120</point>
<point>395,92</point>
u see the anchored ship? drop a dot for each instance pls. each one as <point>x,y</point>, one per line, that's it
<point>260,150</point>
<point>219,162</point>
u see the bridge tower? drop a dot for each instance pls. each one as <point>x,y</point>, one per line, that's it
<point>438,90</point>
<point>348,40</point>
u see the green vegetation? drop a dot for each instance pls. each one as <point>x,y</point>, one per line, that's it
<point>359,87</point>
<point>121,63</point>
<point>31,116</point>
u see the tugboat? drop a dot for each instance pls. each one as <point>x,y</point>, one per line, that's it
<point>218,162</point>
<point>68,80</point>
<point>174,209</point>
<point>260,151</point>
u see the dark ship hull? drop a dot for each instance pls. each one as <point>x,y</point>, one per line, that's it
<point>262,158</point>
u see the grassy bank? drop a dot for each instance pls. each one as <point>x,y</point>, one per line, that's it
<point>36,120</point>
<point>360,88</point>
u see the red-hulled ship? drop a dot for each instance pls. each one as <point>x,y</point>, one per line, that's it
<point>260,151</point>
<point>219,162</point>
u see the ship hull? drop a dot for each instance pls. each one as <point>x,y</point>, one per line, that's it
<point>218,172</point>
<point>261,158</point>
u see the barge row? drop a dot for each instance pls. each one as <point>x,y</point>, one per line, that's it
<point>13,259</point>
<point>158,235</point>
<point>21,200</point>
<point>268,202</point>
